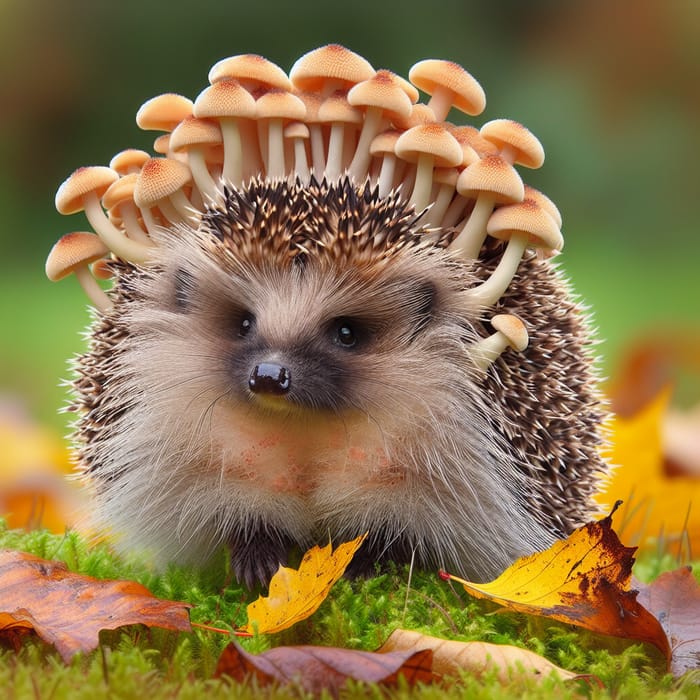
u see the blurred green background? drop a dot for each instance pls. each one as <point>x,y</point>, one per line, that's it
<point>611,87</point>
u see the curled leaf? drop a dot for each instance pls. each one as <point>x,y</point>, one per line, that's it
<point>583,580</point>
<point>295,594</point>
<point>451,657</point>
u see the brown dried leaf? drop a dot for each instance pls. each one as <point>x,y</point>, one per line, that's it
<point>68,610</point>
<point>674,599</point>
<point>324,668</point>
<point>583,580</point>
<point>450,657</point>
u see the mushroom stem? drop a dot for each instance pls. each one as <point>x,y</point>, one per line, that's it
<point>183,206</point>
<point>370,128</point>
<point>470,239</point>
<point>111,236</point>
<point>455,211</point>
<point>334,164</point>
<point>131,223</point>
<point>318,159</point>
<point>490,291</point>
<point>301,163</point>
<point>233,151</point>
<point>202,177</point>
<point>424,181</point>
<point>441,102</point>
<point>441,204</point>
<point>275,149</point>
<point>386,174</point>
<point>93,290</point>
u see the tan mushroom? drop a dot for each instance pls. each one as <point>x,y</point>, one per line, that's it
<point>251,71</point>
<point>73,253</point>
<point>82,191</point>
<point>490,181</point>
<point>118,200</point>
<point>446,180</point>
<point>523,224</point>
<point>383,96</point>
<point>420,114</point>
<point>128,161</point>
<point>545,202</point>
<point>194,137</point>
<point>160,183</point>
<point>428,146</point>
<point>273,109</point>
<point>313,103</point>
<point>163,113</point>
<point>233,107</point>
<point>516,143</point>
<point>510,332</point>
<point>329,68</point>
<point>449,86</point>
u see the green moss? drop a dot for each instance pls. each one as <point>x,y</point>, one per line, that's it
<point>138,662</point>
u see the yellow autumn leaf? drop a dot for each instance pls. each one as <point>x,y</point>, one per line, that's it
<point>583,580</point>
<point>295,594</point>
<point>655,505</point>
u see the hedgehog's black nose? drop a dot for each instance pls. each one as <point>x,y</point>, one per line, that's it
<point>270,378</point>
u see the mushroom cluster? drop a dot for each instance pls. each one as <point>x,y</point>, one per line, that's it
<point>334,115</point>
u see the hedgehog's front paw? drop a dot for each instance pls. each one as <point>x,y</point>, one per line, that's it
<point>256,556</point>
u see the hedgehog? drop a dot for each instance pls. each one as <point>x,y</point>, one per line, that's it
<point>332,312</point>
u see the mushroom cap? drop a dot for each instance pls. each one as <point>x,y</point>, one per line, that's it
<point>420,114</point>
<point>130,158</point>
<point>432,73</point>
<point>102,269</point>
<point>71,251</point>
<point>120,191</point>
<point>446,176</point>
<point>313,102</point>
<point>330,62</point>
<point>493,175</point>
<point>159,178</point>
<point>513,329</point>
<point>429,138</point>
<point>382,90</point>
<point>545,202</point>
<point>385,142</point>
<point>250,68</point>
<point>193,131</point>
<point>336,108</point>
<point>296,130</point>
<point>163,112</point>
<point>525,217</point>
<point>279,104</point>
<point>470,136</point>
<point>225,98</point>
<point>506,133</point>
<point>95,178</point>
<point>161,144</point>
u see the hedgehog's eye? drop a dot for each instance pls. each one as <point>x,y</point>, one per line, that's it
<point>345,334</point>
<point>246,324</point>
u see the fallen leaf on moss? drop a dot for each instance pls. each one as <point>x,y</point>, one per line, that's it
<point>316,669</point>
<point>583,580</point>
<point>655,505</point>
<point>295,594</point>
<point>68,610</point>
<point>674,598</point>
<point>451,657</point>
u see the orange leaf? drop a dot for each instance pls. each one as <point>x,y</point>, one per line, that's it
<point>294,594</point>
<point>68,610</point>
<point>324,668</point>
<point>583,580</point>
<point>654,504</point>
<point>674,598</point>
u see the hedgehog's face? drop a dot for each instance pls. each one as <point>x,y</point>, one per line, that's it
<point>308,337</point>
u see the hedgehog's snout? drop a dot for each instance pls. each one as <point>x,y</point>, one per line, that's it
<point>270,378</point>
